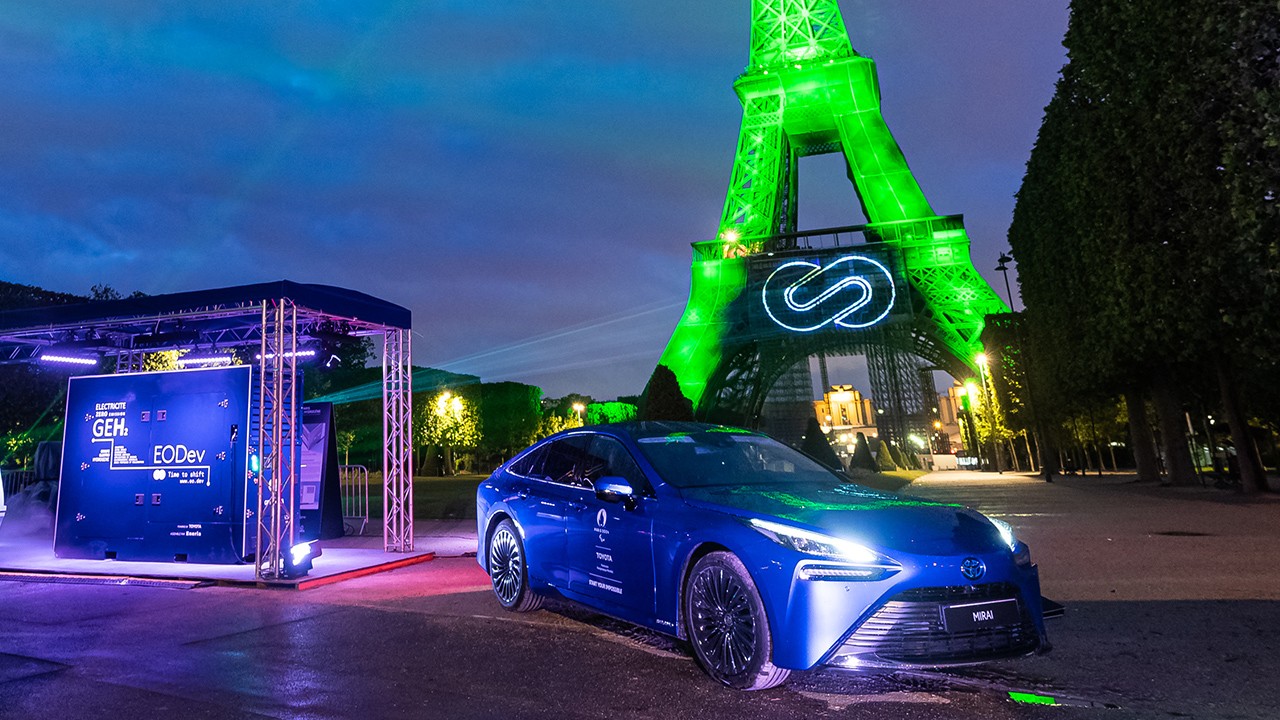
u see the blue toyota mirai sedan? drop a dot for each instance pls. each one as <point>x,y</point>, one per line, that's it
<point>764,560</point>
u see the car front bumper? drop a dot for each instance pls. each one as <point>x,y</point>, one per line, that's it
<point>899,621</point>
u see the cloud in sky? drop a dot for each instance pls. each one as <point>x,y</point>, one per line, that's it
<point>526,177</point>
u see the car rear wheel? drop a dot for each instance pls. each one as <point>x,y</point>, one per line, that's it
<point>508,570</point>
<point>727,624</point>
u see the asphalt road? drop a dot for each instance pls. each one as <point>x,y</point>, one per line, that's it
<point>1173,604</point>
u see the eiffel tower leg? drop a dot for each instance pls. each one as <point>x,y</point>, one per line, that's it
<point>935,250</point>
<point>695,350</point>
<point>888,190</point>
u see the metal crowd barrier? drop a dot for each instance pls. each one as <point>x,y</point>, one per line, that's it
<point>16,480</point>
<point>354,481</point>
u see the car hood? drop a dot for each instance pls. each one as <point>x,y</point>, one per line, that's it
<point>877,519</point>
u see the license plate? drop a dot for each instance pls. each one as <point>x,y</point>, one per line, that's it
<point>977,616</point>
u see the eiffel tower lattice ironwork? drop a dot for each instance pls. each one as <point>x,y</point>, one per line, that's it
<point>807,92</point>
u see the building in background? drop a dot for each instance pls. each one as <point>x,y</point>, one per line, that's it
<point>843,412</point>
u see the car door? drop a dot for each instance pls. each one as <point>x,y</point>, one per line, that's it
<point>541,486</point>
<point>610,544</point>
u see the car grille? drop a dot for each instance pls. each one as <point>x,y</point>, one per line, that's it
<point>908,630</point>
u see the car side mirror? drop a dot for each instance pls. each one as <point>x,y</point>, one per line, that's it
<point>615,489</point>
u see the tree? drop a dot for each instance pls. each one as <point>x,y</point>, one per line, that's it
<point>345,439</point>
<point>450,423</point>
<point>663,399</point>
<point>511,415</point>
<point>884,458</point>
<point>1144,229</point>
<point>14,296</point>
<point>896,455</point>
<point>610,412</point>
<point>553,423</point>
<point>862,457</point>
<point>817,446</point>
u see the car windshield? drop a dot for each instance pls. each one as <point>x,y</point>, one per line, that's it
<point>704,459</point>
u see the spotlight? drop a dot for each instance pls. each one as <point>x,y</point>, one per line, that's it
<point>297,562</point>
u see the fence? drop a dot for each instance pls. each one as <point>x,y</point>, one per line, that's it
<point>16,480</point>
<point>354,481</point>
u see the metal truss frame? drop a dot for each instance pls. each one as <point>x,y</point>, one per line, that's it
<point>897,388</point>
<point>277,438</point>
<point>397,432</point>
<point>130,360</point>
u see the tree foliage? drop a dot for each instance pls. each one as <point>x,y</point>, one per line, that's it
<point>1145,229</point>
<point>448,422</point>
<point>817,446</point>
<point>511,415</point>
<point>884,457</point>
<point>553,423</point>
<point>663,399</point>
<point>610,412</point>
<point>862,457</point>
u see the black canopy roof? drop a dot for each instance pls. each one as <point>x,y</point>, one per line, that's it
<point>222,317</point>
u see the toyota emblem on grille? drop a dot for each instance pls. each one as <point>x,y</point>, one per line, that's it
<point>972,568</point>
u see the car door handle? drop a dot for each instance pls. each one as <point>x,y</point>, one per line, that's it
<point>576,505</point>
<point>522,494</point>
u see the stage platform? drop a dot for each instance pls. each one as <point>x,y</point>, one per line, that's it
<point>32,560</point>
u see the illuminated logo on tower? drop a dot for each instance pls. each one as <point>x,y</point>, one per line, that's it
<point>851,292</point>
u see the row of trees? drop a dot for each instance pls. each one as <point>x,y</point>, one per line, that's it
<point>480,425</point>
<point>32,397</point>
<point>485,423</point>
<point>1146,228</point>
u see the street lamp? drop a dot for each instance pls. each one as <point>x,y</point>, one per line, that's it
<point>578,408</point>
<point>1003,269</point>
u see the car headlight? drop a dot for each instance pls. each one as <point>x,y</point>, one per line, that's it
<point>1006,533</point>
<point>816,544</point>
<point>1021,553</point>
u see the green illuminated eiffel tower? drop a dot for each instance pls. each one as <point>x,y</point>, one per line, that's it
<point>807,92</point>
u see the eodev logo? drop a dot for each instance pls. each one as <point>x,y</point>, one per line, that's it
<point>852,292</point>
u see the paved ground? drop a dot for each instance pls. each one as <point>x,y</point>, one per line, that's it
<point>1173,611</point>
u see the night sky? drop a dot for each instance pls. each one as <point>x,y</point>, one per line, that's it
<point>526,177</point>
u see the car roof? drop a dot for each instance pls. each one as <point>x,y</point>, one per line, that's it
<point>638,429</point>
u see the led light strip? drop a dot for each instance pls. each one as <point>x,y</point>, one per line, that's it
<point>68,359</point>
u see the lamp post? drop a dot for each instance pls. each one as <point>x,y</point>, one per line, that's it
<point>578,408</point>
<point>1003,269</point>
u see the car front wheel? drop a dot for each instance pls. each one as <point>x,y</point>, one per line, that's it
<point>727,624</point>
<point>508,570</point>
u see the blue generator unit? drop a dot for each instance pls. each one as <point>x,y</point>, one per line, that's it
<point>159,467</point>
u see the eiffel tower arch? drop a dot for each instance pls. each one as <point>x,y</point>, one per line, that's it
<point>901,289</point>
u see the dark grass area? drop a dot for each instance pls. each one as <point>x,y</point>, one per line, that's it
<point>434,498</point>
<point>445,498</point>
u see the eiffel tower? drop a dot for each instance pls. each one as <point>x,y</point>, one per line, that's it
<point>765,297</point>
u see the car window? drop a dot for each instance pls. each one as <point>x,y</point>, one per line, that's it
<point>566,461</point>
<point>725,458</point>
<point>611,458</point>
<point>530,464</point>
